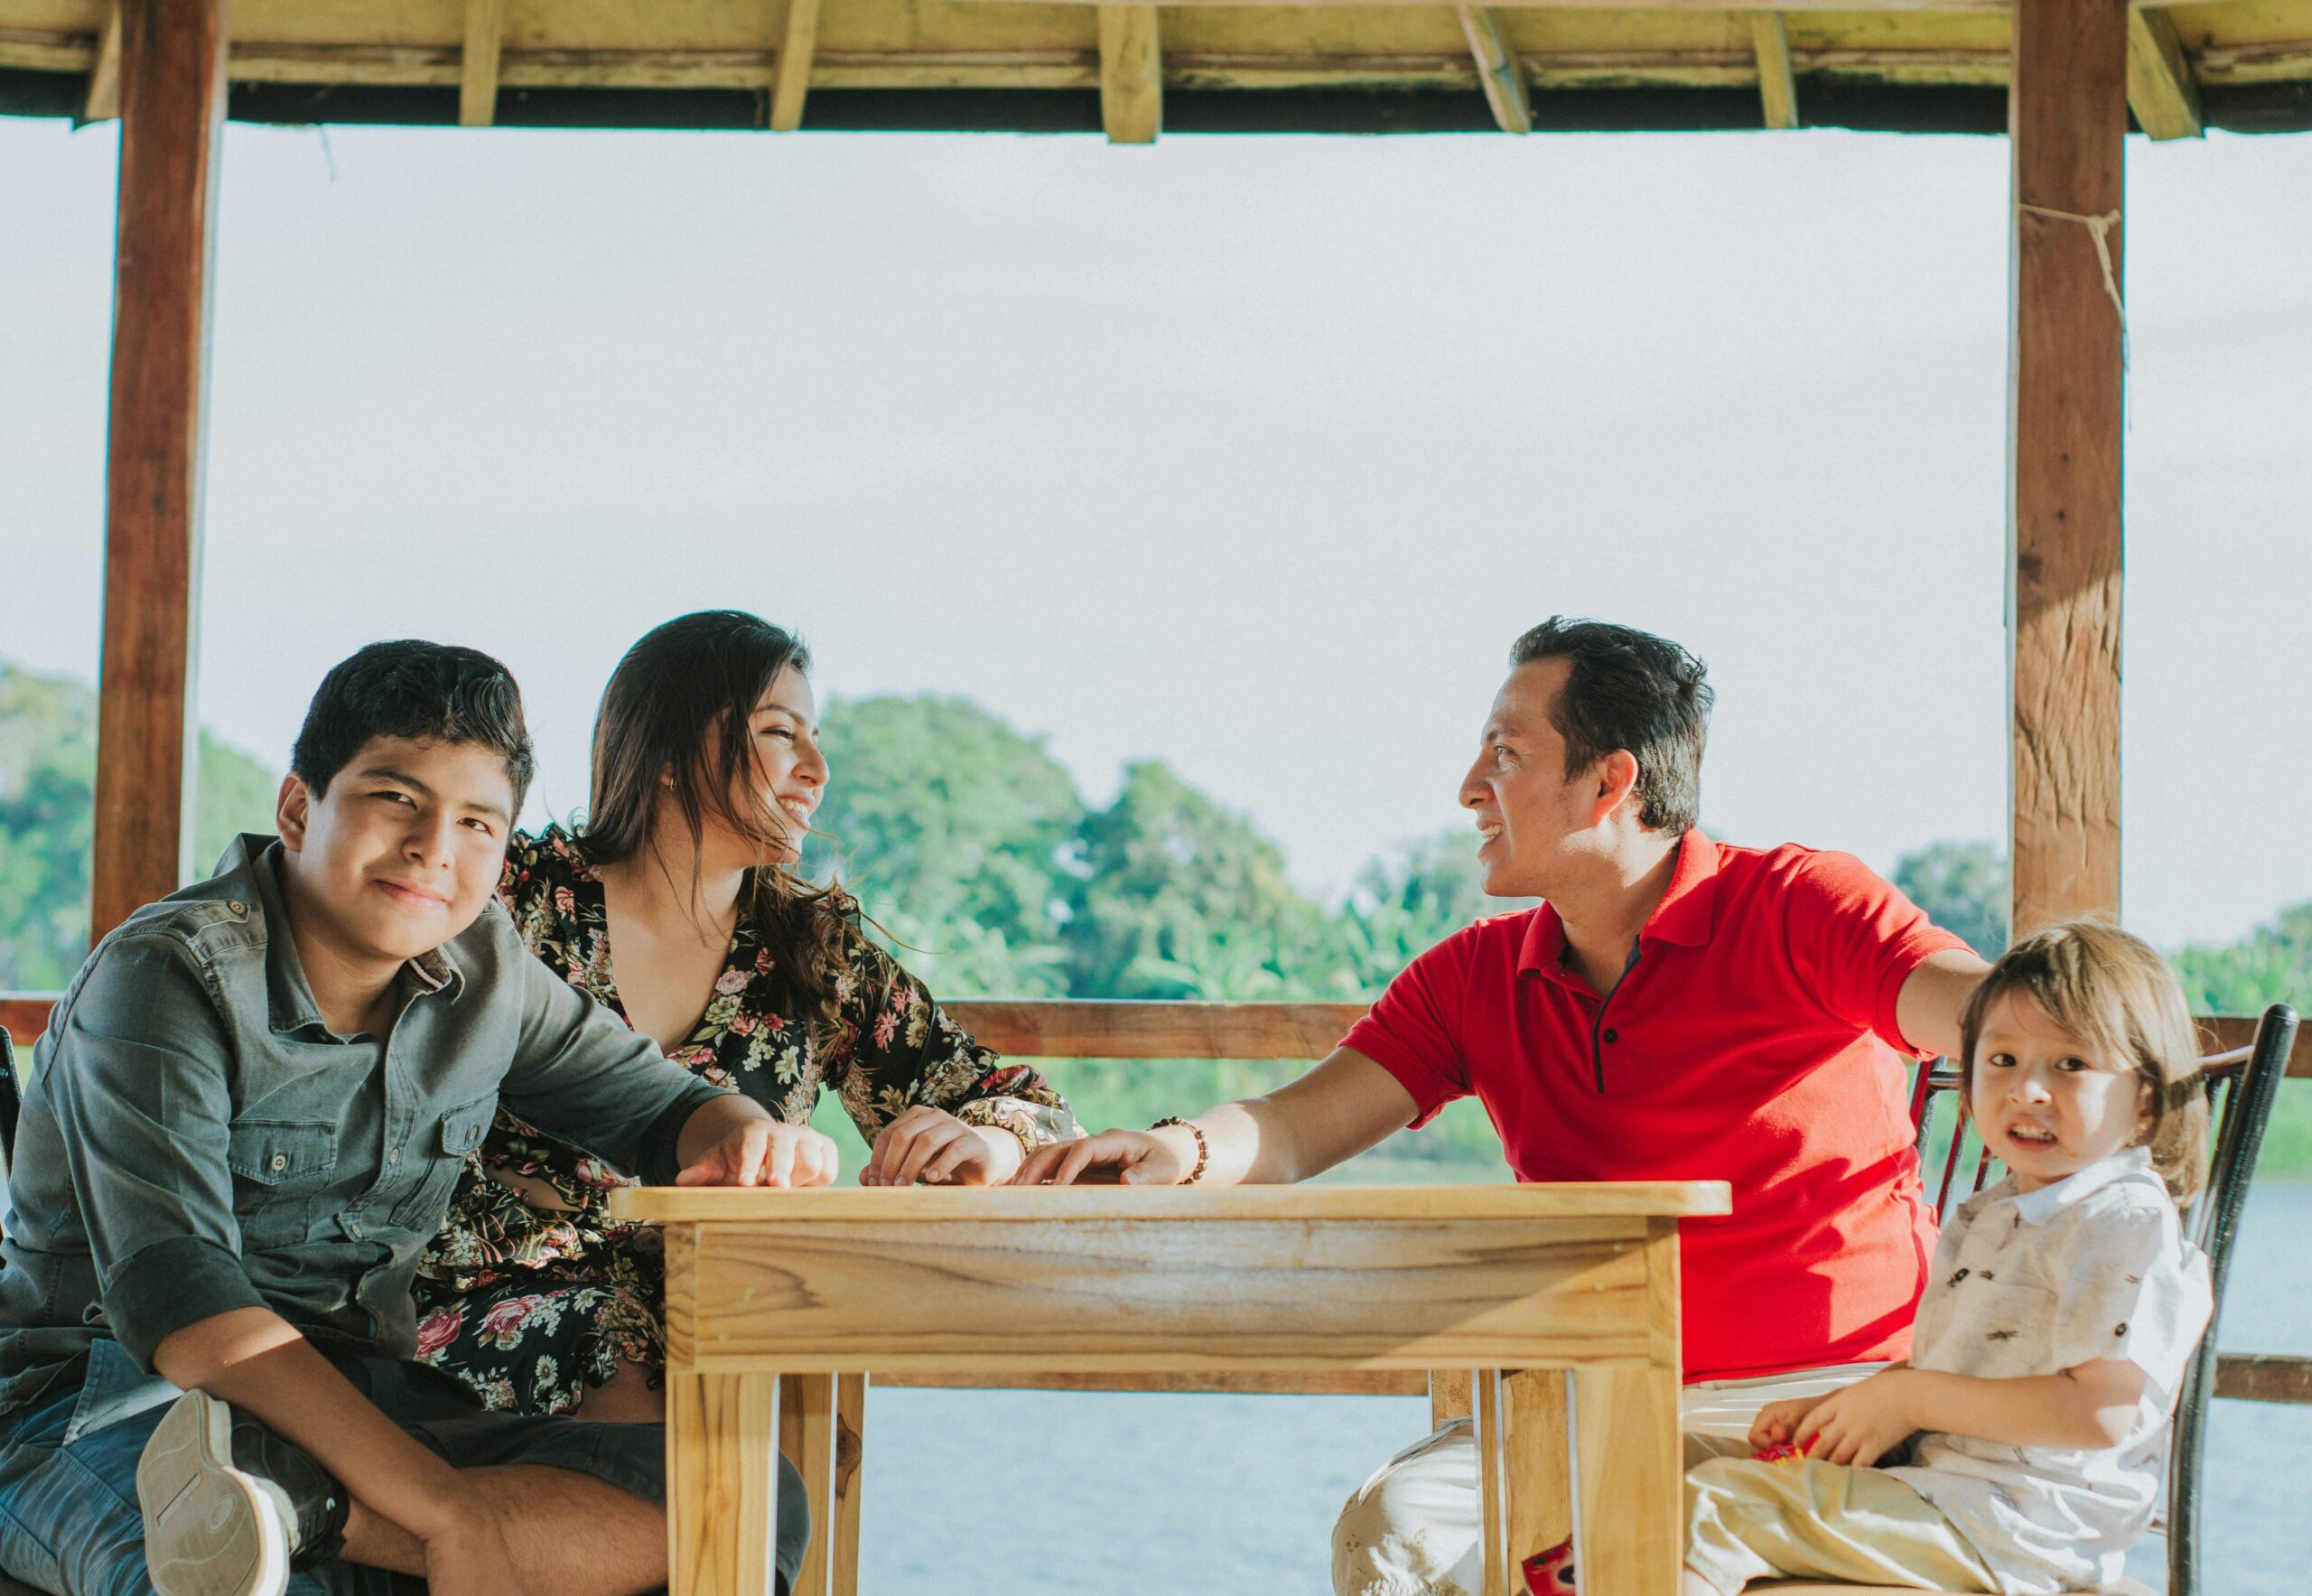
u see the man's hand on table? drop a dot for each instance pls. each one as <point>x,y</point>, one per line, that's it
<point>1126,1158</point>
<point>764,1151</point>
<point>932,1145</point>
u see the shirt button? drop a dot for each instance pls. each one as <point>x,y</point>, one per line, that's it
<point>238,907</point>
<point>280,1162</point>
<point>393,1157</point>
<point>1612,1035</point>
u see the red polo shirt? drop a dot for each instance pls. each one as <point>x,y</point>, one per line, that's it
<point>1751,1040</point>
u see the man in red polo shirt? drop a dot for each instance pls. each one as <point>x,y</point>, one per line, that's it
<point>1676,1009</point>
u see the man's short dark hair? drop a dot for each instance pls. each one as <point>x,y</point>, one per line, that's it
<point>423,691</point>
<point>1630,690</point>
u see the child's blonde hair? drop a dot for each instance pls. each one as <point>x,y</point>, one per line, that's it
<point>2112,991</point>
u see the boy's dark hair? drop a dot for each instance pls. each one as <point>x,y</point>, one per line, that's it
<point>415,689</point>
<point>2114,993</point>
<point>1629,690</point>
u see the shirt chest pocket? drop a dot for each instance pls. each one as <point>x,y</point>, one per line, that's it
<point>280,1167</point>
<point>2000,1331</point>
<point>444,1147</point>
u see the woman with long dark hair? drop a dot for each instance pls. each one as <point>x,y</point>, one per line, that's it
<point>676,904</point>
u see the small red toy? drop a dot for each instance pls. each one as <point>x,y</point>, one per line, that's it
<point>1786,1454</point>
<point>1551,1573</point>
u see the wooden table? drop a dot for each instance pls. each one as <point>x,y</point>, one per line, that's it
<point>1546,1293</point>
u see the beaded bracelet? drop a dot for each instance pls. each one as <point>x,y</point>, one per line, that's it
<point>1203,1150</point>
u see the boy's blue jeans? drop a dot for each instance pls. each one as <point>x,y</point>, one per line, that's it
<point>69,1516</point>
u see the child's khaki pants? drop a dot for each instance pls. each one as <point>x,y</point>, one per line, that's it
<point>1747,1520</point>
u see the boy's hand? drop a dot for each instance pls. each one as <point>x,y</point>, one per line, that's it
<point>764,1151</point>
<point>1778,1422</point>
<point>932,1145</point>
<point>1862,1422</point>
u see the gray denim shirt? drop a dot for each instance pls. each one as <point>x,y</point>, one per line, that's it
<point>194,1138</point>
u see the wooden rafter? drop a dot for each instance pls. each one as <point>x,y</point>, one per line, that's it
<point>1778,84</point>
<point>103,101</point>
<point>1132,74</point>
<point>477,67</point>
<point>798,45</point>
<point>1500,72</point>
<point>2161,90</point>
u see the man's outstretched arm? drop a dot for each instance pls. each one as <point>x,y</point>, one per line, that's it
<point>1344,1106</point>
<point>1934,997</point>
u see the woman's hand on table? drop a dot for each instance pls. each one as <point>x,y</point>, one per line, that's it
<point>765,1152</point>
<point>1126,1158</point>
<point>933,1146</point>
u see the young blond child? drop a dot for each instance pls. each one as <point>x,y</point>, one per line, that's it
<point>2063,1308</point>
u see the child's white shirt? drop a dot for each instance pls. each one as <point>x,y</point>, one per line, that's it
<point>2094,1266</point>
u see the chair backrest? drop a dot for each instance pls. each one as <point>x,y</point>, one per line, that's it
<point>10,1100</point>
<point>2241,1086</point>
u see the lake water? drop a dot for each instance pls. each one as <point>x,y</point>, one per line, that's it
<point>1034,1493</point>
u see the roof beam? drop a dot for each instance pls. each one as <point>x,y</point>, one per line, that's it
<point>2161,90</point>
<point>1500,72</point>
<point>103,102</point>
<point>1777,85</point>
<point>790,80</point>
<point>1714,6</point>
<point>478,69</point>
<point>1132,74</point>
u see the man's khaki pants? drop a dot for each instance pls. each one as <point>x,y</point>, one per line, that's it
<point>1411,1529</point>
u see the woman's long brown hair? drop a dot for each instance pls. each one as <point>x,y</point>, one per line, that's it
<point>678,707</point>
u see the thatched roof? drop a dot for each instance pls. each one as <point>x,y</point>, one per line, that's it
<point>1337,65</point>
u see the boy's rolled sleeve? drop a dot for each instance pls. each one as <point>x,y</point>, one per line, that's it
<point>137,1085</point>
<point>584,1076</point>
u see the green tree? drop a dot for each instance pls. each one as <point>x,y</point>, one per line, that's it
<point>1184,898</point>
<point>959,835</point>
<point>1405,903</point>
<point>1963,887</point>
<point>48,766</point>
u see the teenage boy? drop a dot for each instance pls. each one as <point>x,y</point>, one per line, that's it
<point>1676,1009</point>
<point>244,1121</point>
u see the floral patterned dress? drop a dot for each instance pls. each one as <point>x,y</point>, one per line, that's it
<point>530,1306</point>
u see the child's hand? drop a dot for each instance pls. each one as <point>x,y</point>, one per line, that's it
<point>1777,1423</point>
<point>1862,1422</point>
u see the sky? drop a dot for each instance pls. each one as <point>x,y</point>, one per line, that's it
<point>1249,454</point>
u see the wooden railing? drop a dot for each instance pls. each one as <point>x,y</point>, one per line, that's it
<point>1127,1030</point>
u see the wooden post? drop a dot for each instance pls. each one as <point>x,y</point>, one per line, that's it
<point>172,112</point>
<point>2067,120</point>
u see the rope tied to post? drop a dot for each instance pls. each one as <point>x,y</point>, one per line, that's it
<point>2099,228</point>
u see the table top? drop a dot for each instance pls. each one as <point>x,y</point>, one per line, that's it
<point>924,1204</point>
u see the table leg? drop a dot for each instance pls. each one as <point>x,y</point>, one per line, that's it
<point>806,1434</point>
<point>1526,1500</point>
<point>1632,1483</point>
<point>722,1483</point>
<point>849,1449</point>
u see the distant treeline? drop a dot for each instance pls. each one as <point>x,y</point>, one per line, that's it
<point>974,853</point>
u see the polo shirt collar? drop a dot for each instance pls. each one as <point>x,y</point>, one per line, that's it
<point>1685,915</point>
<point>2036,1207</point>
